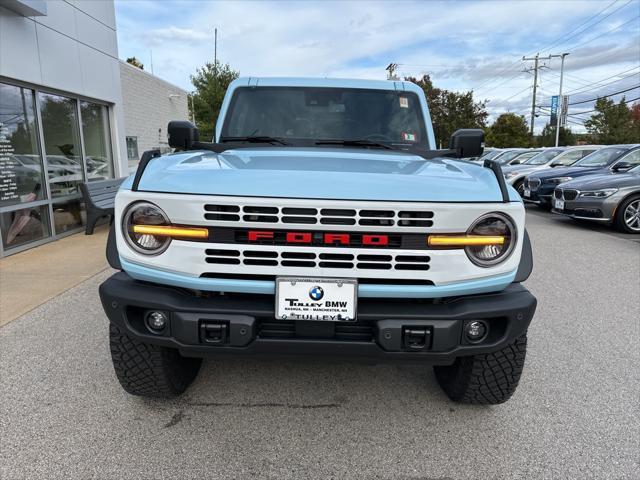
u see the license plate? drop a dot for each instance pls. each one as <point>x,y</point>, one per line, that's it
<point>558,204</point>
<point>527,192</point>
<point>329,300</point>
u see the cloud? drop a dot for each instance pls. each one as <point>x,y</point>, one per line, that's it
<point>463,45</point>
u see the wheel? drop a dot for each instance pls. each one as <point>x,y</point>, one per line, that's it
<point>486,379</point>
<point>149,370</point>
<point>519,186</point>
<point>628,215</point>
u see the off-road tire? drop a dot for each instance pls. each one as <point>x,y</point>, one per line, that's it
<point>620,211</point>
<point>149,370</point>
<point>486,379</point>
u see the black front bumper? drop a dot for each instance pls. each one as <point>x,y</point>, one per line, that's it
<point>387,330</point>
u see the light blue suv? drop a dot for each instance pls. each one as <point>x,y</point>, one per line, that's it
<point>320,222</point>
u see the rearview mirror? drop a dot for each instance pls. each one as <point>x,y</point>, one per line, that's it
<point>622,167</point>
<point>182,134</point>
<point>467,142</point>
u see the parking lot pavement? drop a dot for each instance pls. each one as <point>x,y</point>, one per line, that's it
<point>575,415</point>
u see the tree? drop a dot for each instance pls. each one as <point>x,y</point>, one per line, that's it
<point>450,110</point>
<point>509,130</point>
<point>211,83</point>
<point>548,137</point>
<point>135,62</point>
<point>612,123</point>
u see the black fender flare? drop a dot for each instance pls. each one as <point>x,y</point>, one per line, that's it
<point>112,250</point>
<point>526,260</point>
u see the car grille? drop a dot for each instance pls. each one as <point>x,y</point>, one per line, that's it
<point>533,183</point>
<point>570,194</point>
<point>305,259</point>
<point>273,215</point>
<point>349,332</point>
<point>557,193</point>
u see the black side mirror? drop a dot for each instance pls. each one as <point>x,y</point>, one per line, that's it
<point>467,142</point>
<point>182,134</point>
<point>556,163</point>
<point>515,162</point>
<point>622,167</point>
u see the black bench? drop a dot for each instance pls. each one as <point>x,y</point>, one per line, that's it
<point>99,199</point>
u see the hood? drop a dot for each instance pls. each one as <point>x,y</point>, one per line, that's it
<point>567,172</point>
<point>607,180</point>
<point>522,168</point>
<point>331,173</point>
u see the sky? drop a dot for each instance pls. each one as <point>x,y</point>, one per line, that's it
<point>463,45</point>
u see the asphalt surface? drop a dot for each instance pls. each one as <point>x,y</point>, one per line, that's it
<point>575,415</point>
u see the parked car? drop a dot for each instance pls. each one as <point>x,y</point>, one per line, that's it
<point>549,158</point>
<point>612,198</point>
<point>318,225</point>
<point>539,186</point>
<point>522,157</point>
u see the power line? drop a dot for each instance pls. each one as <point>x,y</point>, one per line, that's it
<point>599,84</point>
<point>591,26</point>
<point>605,96</point>
<point>608,31</point>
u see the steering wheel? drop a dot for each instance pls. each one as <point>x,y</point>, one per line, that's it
<point>375,137</point>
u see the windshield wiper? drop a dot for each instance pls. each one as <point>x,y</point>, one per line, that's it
<point>356,143</point>
<point>254,139</point>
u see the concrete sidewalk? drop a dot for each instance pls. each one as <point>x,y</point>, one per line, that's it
<point>32,277</point>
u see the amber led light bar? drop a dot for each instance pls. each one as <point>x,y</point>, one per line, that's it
<point>465,240</point>
<point>170,231</point>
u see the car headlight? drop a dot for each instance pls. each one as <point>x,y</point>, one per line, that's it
<point>607,192</point>
<point>559,180</point>
<point>492,224</point>
<point>145,214</point>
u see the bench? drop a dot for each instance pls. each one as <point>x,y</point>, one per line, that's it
<point>99,199</point>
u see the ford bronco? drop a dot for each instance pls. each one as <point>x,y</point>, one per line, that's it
<point>321,222</point>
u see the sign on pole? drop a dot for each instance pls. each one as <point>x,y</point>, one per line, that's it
<point>554,109</point>
<point>564,110</point>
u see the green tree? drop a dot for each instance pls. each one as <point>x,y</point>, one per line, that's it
<point>509,130</point>
<point>450,110</point>
<point>612,123</point>
<point>135,62</point>
<point>210,82</point>
<point>548,137</point>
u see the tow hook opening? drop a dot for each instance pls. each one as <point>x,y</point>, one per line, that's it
<point>416,338</point>
<point>214,332</point>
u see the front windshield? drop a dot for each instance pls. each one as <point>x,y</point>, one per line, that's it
<point>525,157</point>
<point>543,157</point>
<point>508,156</point>
<point>601,158</point>
<point>312,114</point>
<point>491,155</point>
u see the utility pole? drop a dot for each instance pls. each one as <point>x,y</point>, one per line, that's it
<point>151,55</point>
<point>215,50</point>
<point>391,68</point>
<point>535,86</point>
<point>559,114</point>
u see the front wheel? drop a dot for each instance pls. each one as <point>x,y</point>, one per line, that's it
<point>628,215</point>
<point>149,370</point>
<point>519,186</point>
<point>486,379</point>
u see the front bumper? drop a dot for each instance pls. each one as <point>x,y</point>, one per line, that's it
<point>244,324</point>
<point>599,210</point>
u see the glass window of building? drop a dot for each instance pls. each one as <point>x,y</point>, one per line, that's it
<point>61,143</point>
<point>97,141</point>
<point>20,161</point>
<point>24,225</point>
<point>132,149</point>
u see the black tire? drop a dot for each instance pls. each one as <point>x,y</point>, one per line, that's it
<point>619,221</point>
<point>487,379</point>
<point>149,370</point>
<point>519,186</point>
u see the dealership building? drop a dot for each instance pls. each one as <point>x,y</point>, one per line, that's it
<point>70,112</point>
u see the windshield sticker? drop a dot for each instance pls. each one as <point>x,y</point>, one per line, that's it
<point>404,102</point>
<point>408,137</point>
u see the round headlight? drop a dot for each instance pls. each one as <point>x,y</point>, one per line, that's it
<point>492,224</point>
<point>145,213</point>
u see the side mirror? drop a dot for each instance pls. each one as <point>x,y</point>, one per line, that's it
<point>467,142</point>
<point>622,167</point>
<point>182,134</point>
<point>556,163</point>
<point>515,162</point>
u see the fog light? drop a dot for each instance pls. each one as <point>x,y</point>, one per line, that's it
<point>156,321</point>
<point>475,330</point>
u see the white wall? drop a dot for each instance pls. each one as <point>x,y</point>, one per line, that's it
<point>149,104</point>
<point>73,49</point>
